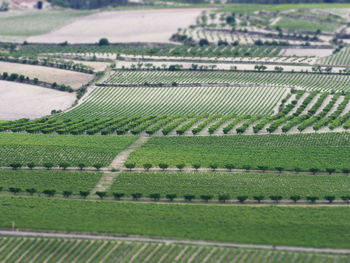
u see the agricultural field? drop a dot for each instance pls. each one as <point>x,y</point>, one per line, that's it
<point>20,100</point>
<point>304,24</point>
<point>53,249</point>
<point>341,58</point>
<point>105,102</point>
<point>20,25</point>
<point>47,74</point>
<point>269,225</point>
<point>41,149</point>
<point>308,81</point>
<point>303,151</point>
<point>43,180</point>
<point>236,184</point>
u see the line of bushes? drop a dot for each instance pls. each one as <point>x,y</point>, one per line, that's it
<point>230,167</point>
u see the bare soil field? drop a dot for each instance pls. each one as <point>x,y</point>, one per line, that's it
<point>27,101</point>
<point>321,52</point>
<point>47,74</point>
<point>123,26</point>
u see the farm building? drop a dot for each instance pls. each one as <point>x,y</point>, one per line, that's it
<point>30,4</point>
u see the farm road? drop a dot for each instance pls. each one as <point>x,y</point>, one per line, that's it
<point>171,241</point>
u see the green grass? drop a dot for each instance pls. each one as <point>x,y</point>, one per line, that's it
<point>236,184</point>
<point>43,180</point>
<point>131,251</point>
<point>305,151</point>
<point>304,24</point>
<point>296,226</point>
<point>55,149</point>
<point>24,24</point>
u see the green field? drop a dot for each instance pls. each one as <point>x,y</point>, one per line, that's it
<point>304,151</point>
<point>307,25</point>
<point>105,102</point>
<point>44,180</point>
<point>309,81</point>
<point>296,226</point>
<point>53,249</point>
<point>237,184</point>
<point>40,149</point>
<point>19,25</point>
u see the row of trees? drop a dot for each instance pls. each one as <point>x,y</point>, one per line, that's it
<point>230,167</point>
<point>25,79</point>
<point>171,197</point>
<point>49,166</point>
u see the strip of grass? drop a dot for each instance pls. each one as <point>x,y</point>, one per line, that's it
<point>298,226</point>
<point>55,149</point>
<point>303,151</point>
<point>43,180</point>
<point>249,184</point>
<point>304,24</point>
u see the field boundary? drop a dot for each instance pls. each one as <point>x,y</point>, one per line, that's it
<point>76,235</point>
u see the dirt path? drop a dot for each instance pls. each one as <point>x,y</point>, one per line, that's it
<point>170,241</point>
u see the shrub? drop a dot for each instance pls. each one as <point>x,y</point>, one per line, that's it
<point>147,166</point>
<point>229,167</point>
<point>83,194</point>
<point>206,198</point>
<point>223,198</point>
<point>136,196</point>
<point>15,166</point>
<point>346,198</point>
<point>297,170</point>
<point>314,170</point>
<point>246,167</point>
<point>154,197</point>
<point>346,171</point>
<point>280,169</point>
<point>118,196</point>
<point>31,165</point>
<point>330,170</point>
<point>49,193</point>
<point>170,197</point>
<point>81,166</point>
<point>213,166</point>
<point>130,166</point>
<point>295,198</point>
<point>262,168</point>
<point>64,166</point>
<point>97,166</point>
<point>258,198</point>
<point>196,166</point>
<point>180,166</point>
<point>329,198</point>
<point>101,194</point>
<point>242,199</point>
<point>276,198</point>
<point>103,42</point>
<point>15,190</point>
<point>312,199</point>
<point>67,193</point>
<point>31,191</point>
<point>48,166</point>
<point>189,198</point>
<point>163,166</point>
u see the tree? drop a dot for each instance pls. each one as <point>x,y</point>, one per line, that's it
<point>15,190</point>
<point>163,166</point>
<point>280,169</point>
<point>81,166</point>
<point>213,166</point>
<point>170,197</point>
<point>101,194</point>
<point>48,166</point>
<point>246,167</point>
<point>189,198</point>
<point>312,199</point>
<point>242,198</point>
<point>206,198</point>
<point>83,194</point>
<point>223,197</point>
<point>297,170</point>
<point>147,166</point>
<point>295,198</point>
<point>262,168</point>
<point>97,166</point>
<point>49,193</point>
<point>203,42</point>
<point>155,197</point>
<point>136,196</point>
<point>103,42</point>
<point>31,165</point>
<point>118,196</point>
<point>314,170</point>
<point>180,166</point>
<point>196,166</point>
<point>258,198</point>
<point>330,170</point>
<point>15,166</point>
<point>345,198</point>
<point>64,166</point>
<point>329,198</point>
<point>67,193</point>
<point>31,191</point>
<point>229,167</point>
<point>276,198</point>
<point>346,171</point>
<point>130,166</point>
